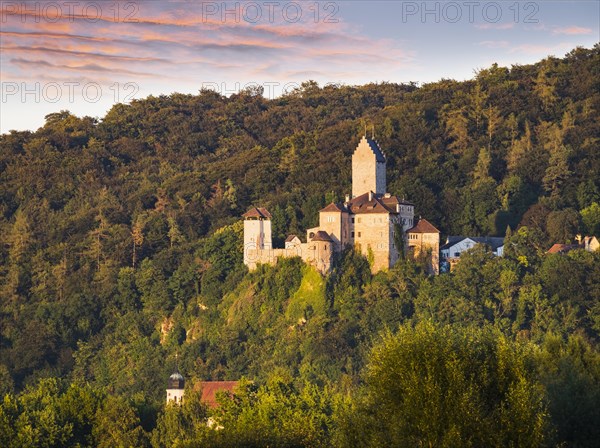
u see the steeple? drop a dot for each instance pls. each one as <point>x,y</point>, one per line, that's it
<point>175,386</point>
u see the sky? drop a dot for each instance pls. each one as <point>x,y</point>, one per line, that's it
<point>85,56</point>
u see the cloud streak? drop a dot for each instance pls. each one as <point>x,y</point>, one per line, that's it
<point>165,36</point>
<point>572,30</point>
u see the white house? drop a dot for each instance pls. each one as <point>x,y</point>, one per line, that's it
<point>456,245</point>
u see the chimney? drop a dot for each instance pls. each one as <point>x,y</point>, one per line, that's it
<point>347,198</point>
<point>397,208</point>
<point>370,195</point>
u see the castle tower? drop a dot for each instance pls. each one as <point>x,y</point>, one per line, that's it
<point>257,235</point>
<point>368,168</point>
<point>319,252</point>
<point>175,388</point>
<point>423,241</point>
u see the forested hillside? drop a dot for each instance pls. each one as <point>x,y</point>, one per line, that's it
<point>121,247</point>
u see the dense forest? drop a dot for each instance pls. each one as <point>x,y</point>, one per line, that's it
<point>121,250</point>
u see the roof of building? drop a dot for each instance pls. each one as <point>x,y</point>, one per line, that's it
<point>423,226</point>
<point>380,157</point>
<point>378,203</point>
<point>257,212</point>
<point>372,203</point>
<point>493,241</point>
<point>291,238</point>
<point>321,235</point>
<point>333,207</point>
<point>210,389</point>
<point>453,239</point>
<point>562,248</point>
<point>176,381</point>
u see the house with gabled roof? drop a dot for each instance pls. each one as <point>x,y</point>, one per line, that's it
<point>457,244</point>
<point>210,389</point>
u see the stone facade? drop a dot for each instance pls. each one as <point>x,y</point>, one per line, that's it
<point>368,221</point>
<point>423,242</point>
<point>368,168</point>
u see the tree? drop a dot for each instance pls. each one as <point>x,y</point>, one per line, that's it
<point>481,173</point>
<point>117,424</point>
<point>545,84</point>
<point>562,226</point>
<point>151,283</point>
<point>442,386</point>
<point>175,235</point>
<point>399,240</point>
<point>276,414</point>
<point>137,237</point>
<point>590,216</point>
<point>558,170</point>
<point>181,425</point>
<point>570,372</point>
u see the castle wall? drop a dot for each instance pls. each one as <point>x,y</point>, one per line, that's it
<point>316,253</point>
<point>407,216</point>
<point>393,252</point>
<point>372,231</point>
<point>426,245</point>
<point>336,224</point>
<point>319,254</point>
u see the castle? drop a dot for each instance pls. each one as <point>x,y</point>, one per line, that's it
<point>368,220</point>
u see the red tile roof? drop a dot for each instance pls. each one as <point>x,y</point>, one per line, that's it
<point>333,208</point>
<point>423,226</point>
<point>377,204</point>
<point>562,248</point>
<point>210,389</point>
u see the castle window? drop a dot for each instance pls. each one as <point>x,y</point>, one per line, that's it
<point>359,220</point>
<point>359,234</point>
<point>352,220</point>
<point>352,234</point>
<point>331,219</point>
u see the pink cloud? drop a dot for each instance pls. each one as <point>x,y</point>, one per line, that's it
<point>572,30</point>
